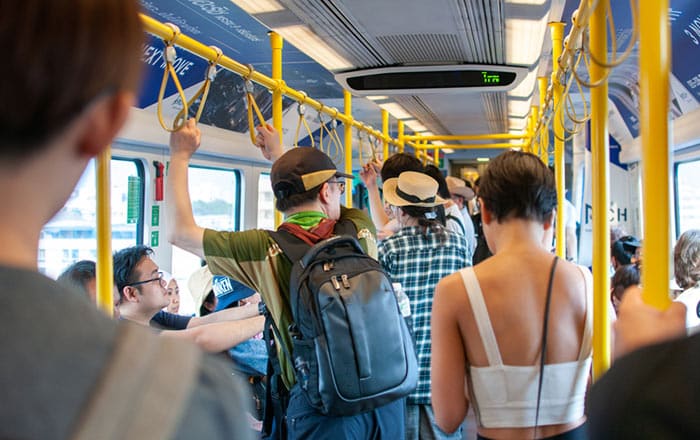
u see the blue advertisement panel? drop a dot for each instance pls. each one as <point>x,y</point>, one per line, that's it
<point>222,24</point>
<point>685,37</point>
<point>624,79</point>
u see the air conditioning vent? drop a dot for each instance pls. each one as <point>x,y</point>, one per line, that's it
<point>432,79</point>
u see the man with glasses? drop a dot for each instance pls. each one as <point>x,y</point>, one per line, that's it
<point>144,294</point>
<point>308,189</point>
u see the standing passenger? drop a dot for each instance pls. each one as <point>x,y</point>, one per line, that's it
<point>488,320</point>
<point>392,167</point>
<point>686,263</point>
<point>417,257</point>
<point>308,188</point>
<point>69,76</point>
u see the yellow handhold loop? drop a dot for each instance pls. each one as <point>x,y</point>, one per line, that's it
<point>203,92</point>
<point>301,111</point>
<point>252,105</point>
<point>170,56</point>
<point>334,143</point>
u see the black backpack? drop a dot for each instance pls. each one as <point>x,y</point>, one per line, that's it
<point>352,349</point>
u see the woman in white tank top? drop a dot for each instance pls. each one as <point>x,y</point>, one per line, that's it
<point>487,321</point>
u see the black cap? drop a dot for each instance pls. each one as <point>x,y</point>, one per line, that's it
<point>301,169</point>
<point>624,249</point>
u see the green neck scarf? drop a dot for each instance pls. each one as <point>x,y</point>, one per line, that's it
<point>306,219</point>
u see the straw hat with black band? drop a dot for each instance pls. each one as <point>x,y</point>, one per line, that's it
<point>412,189</point>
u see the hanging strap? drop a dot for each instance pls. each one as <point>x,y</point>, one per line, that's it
<point>202,93</point>
<point>544,340</point>
<point>170,56</point>
<point>142,390</point>
<point>301,111</point>
<point>252,105</point>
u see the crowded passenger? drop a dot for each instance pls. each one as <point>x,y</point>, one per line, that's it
<point>651,390</point>
<point>625,276</point>
<point>211,294</point>
<point>144,295</point>
<point>308,189</point>
<point>497,325</point>
<point>686,263</point>
<point>72,70</point>
<point>392,167</point>
<point>81,277</point>
<point>174,295</point>
<point>421,253</point>
<point>625,251</point>
<point>454,220</point>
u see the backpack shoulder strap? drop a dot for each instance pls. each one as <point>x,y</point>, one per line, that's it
<point>293,247</point>
<point>346,227</point>
<point>458,221</point>
<point>162,372</point>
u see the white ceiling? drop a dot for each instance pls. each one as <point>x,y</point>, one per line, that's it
<point>378,33</point>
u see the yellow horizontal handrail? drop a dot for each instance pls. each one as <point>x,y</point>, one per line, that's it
<point>161,30</point>
<point>165,32</point>
<point>471,146</point>
<point>466,137</point>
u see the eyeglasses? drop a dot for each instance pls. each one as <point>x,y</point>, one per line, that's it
<point>159,278</point>
<point>341,185</point>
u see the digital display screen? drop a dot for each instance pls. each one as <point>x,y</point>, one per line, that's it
<point>432,80</point>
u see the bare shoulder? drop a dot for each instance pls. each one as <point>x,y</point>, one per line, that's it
<point>450,290</point>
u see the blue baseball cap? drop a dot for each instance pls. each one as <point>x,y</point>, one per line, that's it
<point>228,291</point>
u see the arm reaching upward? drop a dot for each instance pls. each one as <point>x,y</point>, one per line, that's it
<point>369,174</point>
<point>183,231</point>
<point>268,140</point>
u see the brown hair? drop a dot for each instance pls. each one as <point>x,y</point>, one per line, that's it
<point>518,185</point>
<point>62,55</point>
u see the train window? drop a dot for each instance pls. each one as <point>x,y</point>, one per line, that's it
<point>215,196</point>
<point>687,197</point>
<point>72,234</point>
<point>266,203</point>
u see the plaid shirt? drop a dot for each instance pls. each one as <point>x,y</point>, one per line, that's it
<point>418,263</point>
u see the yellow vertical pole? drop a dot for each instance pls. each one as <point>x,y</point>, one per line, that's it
<point>437,157</point>
<point>399,125</point>
<point>534,145</point>
<point>654,62</point>
<point>385,132</point>
<point>347,100</point>
<point>528,129</point>
<point>276,43</point>
<point>105,271</point>
<point>544,144</point>
<point>600,157</point>
<point>557,31</point>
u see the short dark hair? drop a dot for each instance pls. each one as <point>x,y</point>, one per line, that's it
<point>518,185</point>
<point>283,204</point>
<point>624,249</point>
<point>435,173</point>
<point>625,276</point>
<point>77,275</point>
<point>398,163</point>
<point>125,262</point>
<point>61,56</point>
